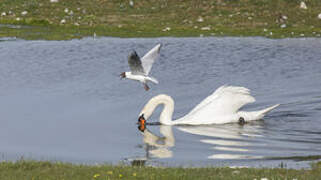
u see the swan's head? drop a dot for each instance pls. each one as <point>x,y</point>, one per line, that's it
<point>123,75</point>
<point>141,120</point>
<point>166,114</point>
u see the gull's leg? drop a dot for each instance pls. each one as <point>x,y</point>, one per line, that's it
<point>146,86</point>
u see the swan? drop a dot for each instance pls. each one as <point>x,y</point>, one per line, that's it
<point>220,107</point>
<point>140,68</point>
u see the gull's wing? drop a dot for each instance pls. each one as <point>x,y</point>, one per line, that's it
<point>149,58</point>
<point>135,64</point>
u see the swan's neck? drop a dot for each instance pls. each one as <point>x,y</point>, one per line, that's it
<point>166,114</point>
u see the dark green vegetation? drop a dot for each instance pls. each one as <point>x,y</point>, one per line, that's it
<point>68,19</point>
<point>46,170</point>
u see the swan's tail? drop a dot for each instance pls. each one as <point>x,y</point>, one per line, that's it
<point>266,110</point>
<point>256,115</point>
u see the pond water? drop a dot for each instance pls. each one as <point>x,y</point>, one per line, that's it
<point>64,101</point>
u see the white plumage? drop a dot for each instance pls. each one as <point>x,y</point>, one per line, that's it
<point>220,107</point>
<point>140,68</point>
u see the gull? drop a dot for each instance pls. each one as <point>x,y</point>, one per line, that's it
<point>140,67</point>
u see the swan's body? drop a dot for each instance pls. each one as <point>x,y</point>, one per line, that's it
<point>220,107</point>
<point>140,68</point>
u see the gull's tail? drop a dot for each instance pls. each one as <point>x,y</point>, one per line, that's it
<point>154,80</point>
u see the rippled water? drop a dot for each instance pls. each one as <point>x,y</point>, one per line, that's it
<point>63,100</point>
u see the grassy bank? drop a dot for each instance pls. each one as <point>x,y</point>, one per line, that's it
<point>46,170</point>
<point>155,18</point>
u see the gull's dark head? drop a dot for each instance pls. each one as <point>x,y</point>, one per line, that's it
<point>122,75</point>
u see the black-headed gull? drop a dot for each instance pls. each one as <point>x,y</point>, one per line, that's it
<point>140,68</point>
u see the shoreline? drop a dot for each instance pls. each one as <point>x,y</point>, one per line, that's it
<point>38,32</point>
<point>57,170</point>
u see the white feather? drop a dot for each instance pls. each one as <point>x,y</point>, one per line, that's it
<point>220,107</point>
<point>149,58</point>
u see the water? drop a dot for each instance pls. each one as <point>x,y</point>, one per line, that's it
<point>64,101</point>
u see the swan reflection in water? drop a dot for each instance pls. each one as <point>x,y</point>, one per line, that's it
<point>157,146</point>
<point>230,141</point>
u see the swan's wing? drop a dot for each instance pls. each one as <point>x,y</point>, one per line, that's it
<point>135,64</point>
<point>230,100</point>
<point>208,99</point>
<point>149,58</point>
<point>225,100</point>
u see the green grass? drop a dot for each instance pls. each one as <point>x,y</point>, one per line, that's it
<point>48,170</point>
<point>150,18</point>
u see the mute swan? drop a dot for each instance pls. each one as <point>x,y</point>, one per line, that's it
<point>140,68</point>
<point>220,107</point>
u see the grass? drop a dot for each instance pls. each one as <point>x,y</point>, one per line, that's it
<point>156,18</point>
<point>47,170</point>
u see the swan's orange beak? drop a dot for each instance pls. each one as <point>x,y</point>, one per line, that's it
<point>142,123</point>
<point>142,120</point>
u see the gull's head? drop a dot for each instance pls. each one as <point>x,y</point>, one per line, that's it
<point>123,75</point>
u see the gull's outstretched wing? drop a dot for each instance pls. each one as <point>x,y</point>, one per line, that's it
<point>149,58</point>
<point>135,64</point>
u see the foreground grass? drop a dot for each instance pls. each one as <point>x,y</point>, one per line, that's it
<point>47,170</point>
<point>155,18</point>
